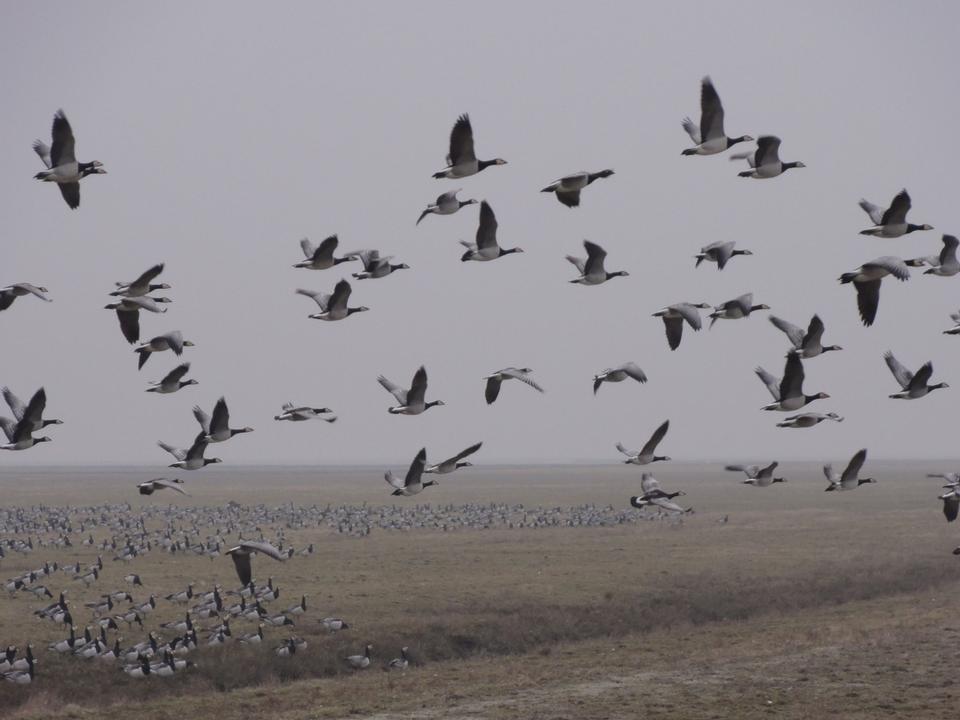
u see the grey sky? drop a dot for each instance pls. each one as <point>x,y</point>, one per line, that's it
<point>230,130</point>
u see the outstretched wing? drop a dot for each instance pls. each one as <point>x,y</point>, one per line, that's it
<point>487,230</point>
<point>461,142</point>
<point>655,439</point>
<point>418,389</point>
<point>772,383</point>
<point>902,375</point>
<point>398,392</point>
<point>416,468</point>
<point>465,453</point>
<point>711,112</point>
<point>896,214</point>
<point>522,377</point>
<point>62,150</point>
<point>792,384</point>
<point>794,333</point>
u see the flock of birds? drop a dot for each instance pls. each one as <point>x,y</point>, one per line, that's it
<point>130,299</point>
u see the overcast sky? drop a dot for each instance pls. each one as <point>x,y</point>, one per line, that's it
<point>231,130</point>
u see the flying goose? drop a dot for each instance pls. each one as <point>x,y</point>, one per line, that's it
<point>333,307</point>
<point>756,475</point>
<point>945,264</point>
<point>709,136</point>
<point>446,204</point>
<point>412,483</point>
<point>645,455</point>
<point>591,269</point>
<point>299,414</point>
<point>653,495</point>
<point>914,384</point>
<point>806,344</point>
<point>142,285</point>
<point>61,163</point>
<point>375,266</point>
<point>892,222</point>
<point>788,392</point>
<point>20,434</point>
<point>461,160</point>
<point>11,292</point>
<point>806,420</point>
<point>399,663</point>
<point>951,504</point>
<point>486,247</point>
<point>739,307</point>
<point>34,410</point>
<point>719,253</point>
<point>619,374</point>
<point>217,427</point>
<point>168,341</point>
<point>412,400</point>
<point>766,161</point>
<point>173,380</point>
<point>151,486</point>
<point>849,480</point>
<point>568,187</point>
<point>454,463</point>
<point>952,479</point>
<point>494,381</point>
<point>191,459</point>
<point>241,557</point>
<point>955,330</point>
<point>867,279</point>
<point>128,313</point>
<point>360,662</point>
<point>320,257</point>
<point>673,317</point>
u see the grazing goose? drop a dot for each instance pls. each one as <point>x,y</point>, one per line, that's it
<point>892,222</point>
<point>766,161</point>
<point>486,247</point>
<point>619,374</point>
<point>788,392</point>
<point>807,420</point>
<point>568,187</point>
<point>951,504</point>
<point>806,344</point>
<point>142,285</point>
<point>735,309</point>
<point>61,162</point>
<point>849,480</point>
<point>412,483</point>
<point>494,381</point>
<point>34,410</point>
<point>719,253</point>
<point>217,427</point>
<point>302,413</point>
<point>955,330</point>
<point>399,663</point>
<point>169,341</point>
<point>241,557</point>
<point>914,384</point>
<point>151,486</point>
<point>183,596</point>
<point>375,266</point>
<point>591,270</point>
<point>461,160</point>
<point>412,400</point>
<point>11,292</point>
<point>653,495</point>
<point>709,137</point>
<point>756,475</point>
<point>173,381</point>
<point>454,463</point>
<point>446,204</point>
<point>191,459</point>
<point>867,279</point>
<point>673,317</point>
<point>333,624</point>
<point>945,264</point>
<point>333,307</point>
<point>321,257</point>
<point>360,662</point>
<point>645,455</point>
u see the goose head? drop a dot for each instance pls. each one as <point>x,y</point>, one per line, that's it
<point>742,138</point>
<point>188,343</point>
<point>938,386</point>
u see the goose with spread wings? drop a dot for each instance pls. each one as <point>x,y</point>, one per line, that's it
<point>788,393</point>
<point>892,221</point>
<point>674,317</point>
<point>567,188</point>
<point>914,385</point>
<point>143,285</point>
<point>412,401</point>
<point>756,475</point>
<point>241,557</point>
<point>216,427</point>
<point>646,454</point>
<point>446,204</point>
<point>654,495</point>
<point>766,162</point>
<point>866,279</point>
<point>192,458</point>
<point>592,271</point>
<point>461,160</point>
<point>486,247</point>
<point>709,136</point>
<point>412,483</point>
<point>20,433</point>
<point>173,380</point>
<point>333,307</point>
<point>619,374</point>
<point>454,463</point>
<point>61,161</point>
<point>320,257</point>
<point>492,390</point>
<point>11,292</point>
<point>151,486</point>
<point>850,478</point>
<point>806,343</point>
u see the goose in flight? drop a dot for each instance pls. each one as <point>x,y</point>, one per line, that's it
<point>486,247</point>
<point>61,162</point>
<point>945,264</point>
<point>461,160</point>
<point>719,253</point>
<point>914,385</point>
<point>756,475</point>
<point>446,204</point>
<point>34,409</point>
<point>168,341</point>
<point>216,427</point>
<point>709,137</point>
<point>850,479</point>
<point>454,463</point>
<point>142,285</point>
<point>302,413</point>
<point>646,455</point>
<point>128,313</point>
<point>412,483</point>
<point>892,222</point>
<point>653,495</point>
<point>674,316</point>
<point>788,392</point>
<point>619,374</point>
<point>375,266</point>
<point>320,257</point>
<point>807,344</point>
<point>511,373</point>
<point>241,557</point>
<point>955,330</point>
<point>173,380</point>
<point>591,269</point>
<point>866,279</point>
<point>333,307</point>
<point>191,459</point>
<point>951,504</point>
<point>20,433</point>
<point>11,292</point>
<point>568,187</point>
<point>151,486</point>
<point>412,401</point>
<point>739,307</point>
<point>952,479</point>
<point>809,419</point>
<point>766,162</point>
